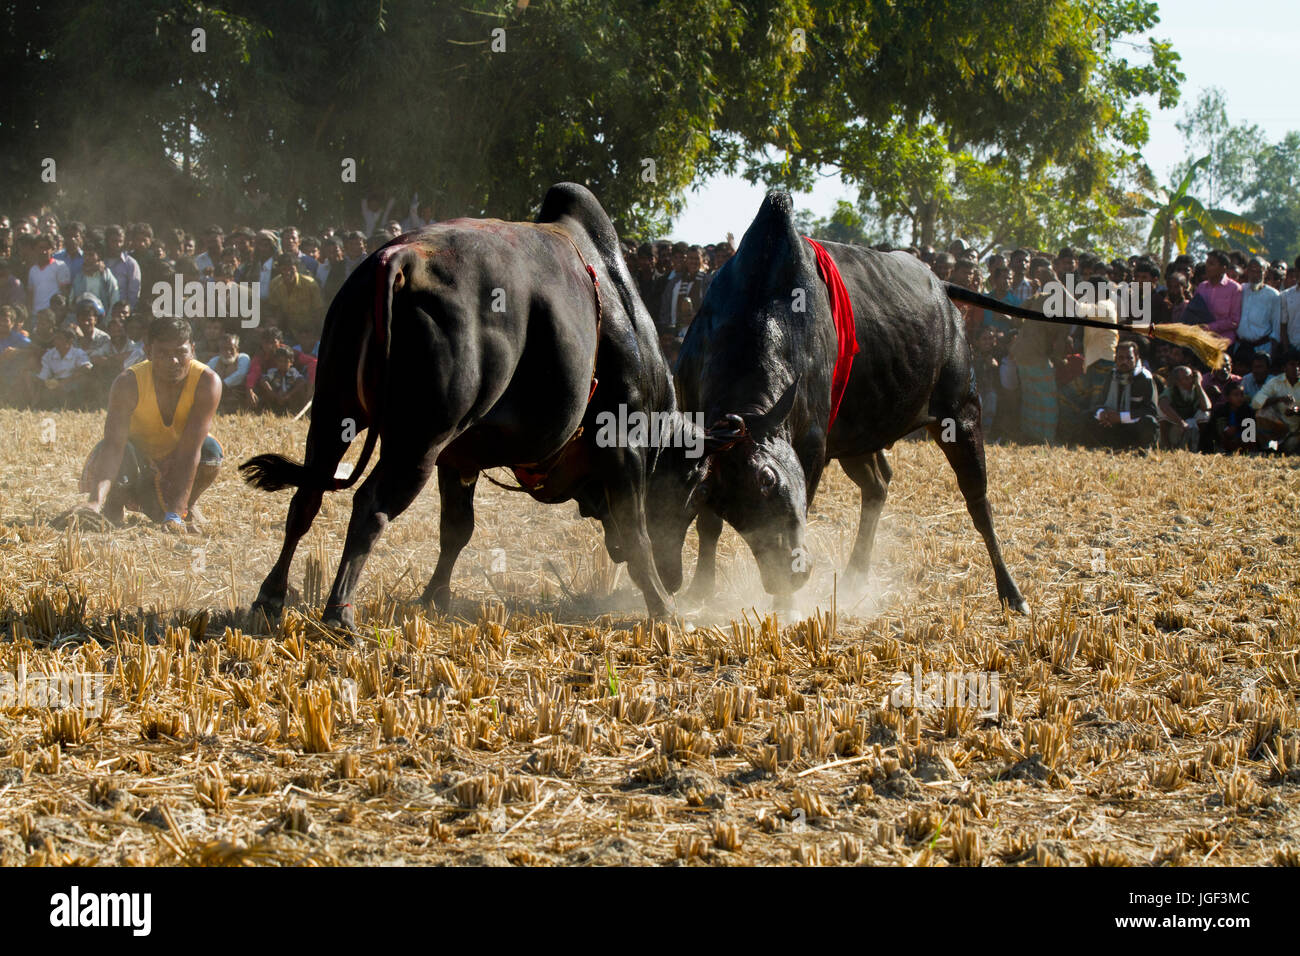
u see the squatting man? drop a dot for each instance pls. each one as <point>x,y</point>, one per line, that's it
<point>157,456</point>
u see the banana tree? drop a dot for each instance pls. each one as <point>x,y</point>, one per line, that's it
<point>1178,216</point>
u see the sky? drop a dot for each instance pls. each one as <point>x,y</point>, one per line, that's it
<point>1253,61</point>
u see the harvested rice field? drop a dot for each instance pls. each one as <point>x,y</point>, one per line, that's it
<point>1145,714</point>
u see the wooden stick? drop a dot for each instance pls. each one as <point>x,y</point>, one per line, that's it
<point>524,819</point>
<point>835,763</point>
<point>304,410</point>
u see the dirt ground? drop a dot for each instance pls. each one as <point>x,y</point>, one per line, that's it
<point>1144,714</point>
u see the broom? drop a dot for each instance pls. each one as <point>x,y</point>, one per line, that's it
<point>1209,347</point>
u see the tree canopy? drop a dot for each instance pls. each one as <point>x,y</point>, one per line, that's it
<point>1016,111</point>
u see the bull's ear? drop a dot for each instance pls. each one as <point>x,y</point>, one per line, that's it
<point>724,433</point>
<point>769,421</point>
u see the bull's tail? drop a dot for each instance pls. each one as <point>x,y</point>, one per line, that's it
<point>962,294</point>
<point>276,472</point>
<point>1210,347</point>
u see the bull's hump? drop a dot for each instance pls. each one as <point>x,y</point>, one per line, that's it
<point>576,204</point>
<point>567,199</point>
<point>777,202</point>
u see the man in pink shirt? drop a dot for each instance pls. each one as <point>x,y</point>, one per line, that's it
<point>1222,295</point>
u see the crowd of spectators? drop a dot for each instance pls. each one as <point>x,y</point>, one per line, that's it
<point>1060,384</point>
<point>74,303</point>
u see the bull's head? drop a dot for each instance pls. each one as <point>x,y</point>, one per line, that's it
<point>750,475</point>
<point>752,335</point>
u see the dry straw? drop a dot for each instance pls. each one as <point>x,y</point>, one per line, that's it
<point>1145,711</point>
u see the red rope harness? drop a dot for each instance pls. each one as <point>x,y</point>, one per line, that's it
<point>846,331</point>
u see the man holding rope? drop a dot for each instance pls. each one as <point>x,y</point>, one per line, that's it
<point>156,456</point>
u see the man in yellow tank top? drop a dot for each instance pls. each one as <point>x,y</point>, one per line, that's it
<point>157,456</point>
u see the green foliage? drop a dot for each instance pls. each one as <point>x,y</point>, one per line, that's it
<point>1178,217</point>
<point>844,224</point>
<point>1273,190</point>
<point>924,104</point>
<point>1235,164</point>
<point>1230,150</point>
<point>412,90</point>
<point>996,121</point>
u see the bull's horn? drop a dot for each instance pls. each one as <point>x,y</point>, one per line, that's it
<point>767,422</point>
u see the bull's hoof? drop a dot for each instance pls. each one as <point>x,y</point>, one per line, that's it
<point>852,580</point>
<point>662,612</point>
<point>342,617</point>
<point>436,601</point>
<point>695,598</point>
<point>783,604</point>
<point>266,611</point>
<point>1017,604</point>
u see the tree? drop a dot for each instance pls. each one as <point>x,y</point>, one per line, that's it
<point>907,99</point>
<point>1273,193</point>
<point>116,96</point>
<point>479,107</point>
<point>1230,150</point>
<point>1178,216</point>
<point>845,224</point>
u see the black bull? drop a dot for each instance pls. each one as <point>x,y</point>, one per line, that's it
<point>471,345</point>
<point>758,361</point>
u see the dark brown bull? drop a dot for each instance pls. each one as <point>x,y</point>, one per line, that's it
<point>470,345</point>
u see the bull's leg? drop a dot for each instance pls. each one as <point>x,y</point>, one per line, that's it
<point>303,509</point>
<point>965,453</point>
<point>613,546</point>
<point>627,510</point>
<point>385,494</point>
<point>325,449</point>
<point>871,473</point>
<point>455,527</point>
<point>708,525</point>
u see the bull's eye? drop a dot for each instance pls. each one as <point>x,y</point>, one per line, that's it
<point>767,479</point>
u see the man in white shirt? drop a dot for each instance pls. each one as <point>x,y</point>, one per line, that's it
<point>65,370</point>
<point>1278,404</point>
<point>260,267</point>
<point>1289,335</point>
<point>421,215</point>
<point>47,278</point>
<point>231,365</point>
<point>374,210</point>
<point>1254,381</point>
<point>207,260</point>
<point>1261,315</point>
